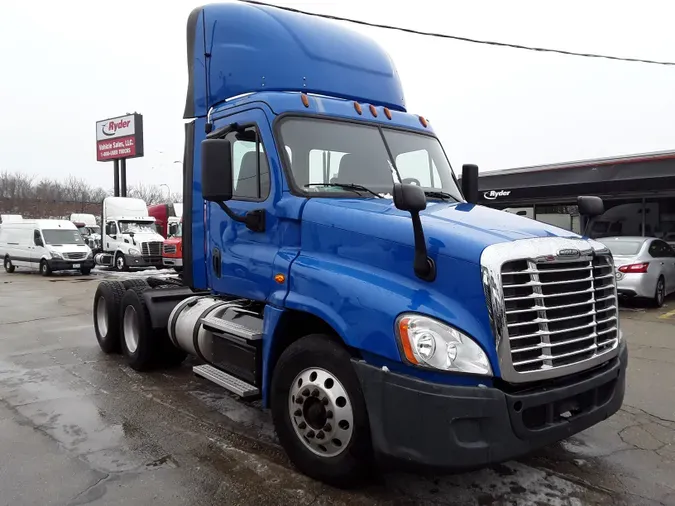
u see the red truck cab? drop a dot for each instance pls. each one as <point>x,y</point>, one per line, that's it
<point>172,251</point>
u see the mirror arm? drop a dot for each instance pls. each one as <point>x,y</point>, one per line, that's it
<point>254,220</point>
<point>425,267</point>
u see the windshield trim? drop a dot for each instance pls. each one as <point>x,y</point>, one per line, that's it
<point>346,194</point>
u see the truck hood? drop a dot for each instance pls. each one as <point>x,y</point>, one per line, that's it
<point>69,248</point>
<point>461,231</point>
<point>143,237</point>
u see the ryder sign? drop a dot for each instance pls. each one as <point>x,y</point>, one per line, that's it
<point>120,137</point>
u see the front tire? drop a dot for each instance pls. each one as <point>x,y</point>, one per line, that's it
<point>107,300</point>
<point>85,271</point>
<point>319,412</point>
<point>659,293</point>
<point>45,270</point>
<point>121,263</point>
<point>9,268</point>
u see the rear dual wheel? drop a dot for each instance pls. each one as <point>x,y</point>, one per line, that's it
<point>122,324</point>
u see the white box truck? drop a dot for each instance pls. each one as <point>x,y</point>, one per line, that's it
<point>130,238</point>
<point>89,228</point>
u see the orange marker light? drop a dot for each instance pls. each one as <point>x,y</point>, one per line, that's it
<point>373,111</point>
<point>305,100</point>
<point>387,113</point>
<point>405,341</point>
<point>357,106</point>
<point>423,121</point>
<point>280,278</point>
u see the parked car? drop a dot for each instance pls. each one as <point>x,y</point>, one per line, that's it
<point>645,267</point>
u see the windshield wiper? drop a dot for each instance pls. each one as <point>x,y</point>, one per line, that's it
<point>439,195</point>
<point>348,186</point>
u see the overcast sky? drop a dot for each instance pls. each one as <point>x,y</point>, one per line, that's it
<point>66,64</point>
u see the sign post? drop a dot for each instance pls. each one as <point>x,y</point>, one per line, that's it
<point>117,139</point>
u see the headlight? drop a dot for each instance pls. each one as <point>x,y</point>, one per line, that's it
<point>429,343</point>
<point>90,254</point>
<point>134,251</point>
<point>56,254</point>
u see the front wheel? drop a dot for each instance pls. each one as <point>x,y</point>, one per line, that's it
<point>121,263</point>
<point>45,270</point>
<point>9,268</point>
<point>660,293</point>
<point>319,412</point>
<point>85,271</point>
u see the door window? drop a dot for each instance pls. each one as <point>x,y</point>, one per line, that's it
<point>112,228</point>
<point>37,238</point>
<point>659,249</point>
<point>250,170</point>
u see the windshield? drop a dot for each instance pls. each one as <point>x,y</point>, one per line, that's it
<point>84,230</point>
<point>137,227</point>
<point>623,247</point>
<point>325,152</point>
<point>58,237</point>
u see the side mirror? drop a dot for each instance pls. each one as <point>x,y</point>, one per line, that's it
<point>408,197</point>
<point>411,198</point>
<point>470,182</point>
<point>216,170</point>
<point>590,206</point>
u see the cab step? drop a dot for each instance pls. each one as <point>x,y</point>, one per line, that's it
<point>227,381</point>
<point>227,327</point>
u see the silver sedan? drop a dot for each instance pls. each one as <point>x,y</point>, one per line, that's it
<point>644,266</point>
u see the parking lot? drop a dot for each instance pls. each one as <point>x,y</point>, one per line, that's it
<point>79,427</point>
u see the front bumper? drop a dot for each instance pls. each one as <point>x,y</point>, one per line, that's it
<point>143,261</point>
<point>69,265</point>
<point>173,262</point>
<point>459,427</point>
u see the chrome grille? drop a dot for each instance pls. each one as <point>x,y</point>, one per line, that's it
<point>75,256</point>
<point>151,249</point>
<point>559,313</point>
<point>551,315</point>
<point>169,249</point>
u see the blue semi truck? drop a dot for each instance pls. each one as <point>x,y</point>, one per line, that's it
<point>334,268</point>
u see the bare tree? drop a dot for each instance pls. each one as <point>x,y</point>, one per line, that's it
<point>149,194</point>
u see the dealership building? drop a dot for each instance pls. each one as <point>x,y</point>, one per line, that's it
<point>638,190</point>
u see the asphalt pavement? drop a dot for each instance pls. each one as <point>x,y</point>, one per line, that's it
<point>79,427</point>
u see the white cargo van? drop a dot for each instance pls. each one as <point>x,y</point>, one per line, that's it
<point>47,245</point>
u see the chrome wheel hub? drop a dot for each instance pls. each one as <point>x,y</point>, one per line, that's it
<point>321,412</point>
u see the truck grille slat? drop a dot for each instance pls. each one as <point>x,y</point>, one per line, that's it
<point>550,357</point>
<point>151,249</point>
<point>558,312</point>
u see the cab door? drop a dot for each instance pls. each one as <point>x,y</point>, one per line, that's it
<point>241,260</point>
<point>37,249</point>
